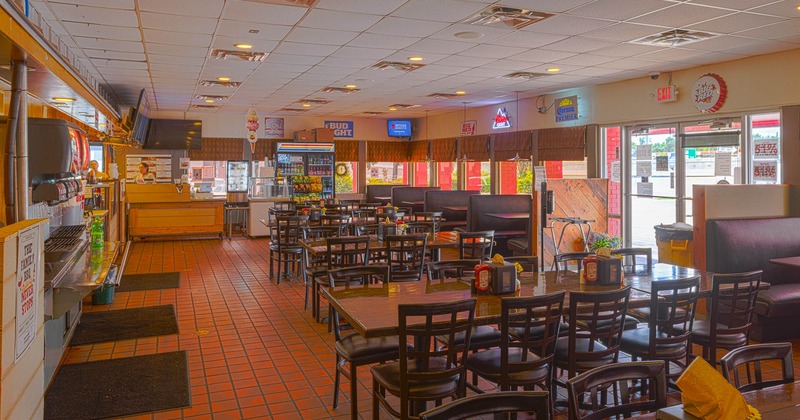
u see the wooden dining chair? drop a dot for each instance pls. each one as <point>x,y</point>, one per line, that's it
<point>531,402</point>
<point>588,393</point>
<point>475,245</point>
<point>425,372</point>
<point>315,266</point>
<point>351,349</point>
<point>630,260</point>
<point>406,254</point>
<point>284,248</point>
<point>344,251</point>
<point>752,356</point>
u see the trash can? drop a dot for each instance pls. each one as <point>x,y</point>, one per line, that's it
<point>675,244</point>
<point>104,295</point>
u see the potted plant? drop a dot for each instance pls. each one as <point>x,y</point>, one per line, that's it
<point>597,240</point>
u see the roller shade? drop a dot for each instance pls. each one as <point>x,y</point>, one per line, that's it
<point>346,150</point>
<point>418,151</point>
<point>509,145</point>
<point>711,139</point>
<point>387,151</point>
<point>562,143</point>
<point>443,150</point>
<point>219,149</point>
<point>475,147</point>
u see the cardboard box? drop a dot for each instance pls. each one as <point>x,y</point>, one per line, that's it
<point>304,136</point>
<point>503,278</point>
<point>323,135</point>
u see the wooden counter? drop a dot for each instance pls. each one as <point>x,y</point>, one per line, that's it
<point>158,210</point>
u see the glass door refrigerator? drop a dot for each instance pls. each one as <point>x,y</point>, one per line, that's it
<point>237,187</point>
<point>309,168</point>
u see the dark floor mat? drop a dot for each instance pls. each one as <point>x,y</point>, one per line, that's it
<point>125,324</point>
<point>119,387</point>
<point>150,281</point>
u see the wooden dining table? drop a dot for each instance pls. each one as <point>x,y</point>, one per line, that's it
<point>436,243</point>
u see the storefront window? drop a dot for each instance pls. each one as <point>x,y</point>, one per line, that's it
<point>421,174</point>
<point>386,173</point>
<point>346,177</point>
<point>96,153</point>
<point>478,176</point>
<point>447,173</point>
<point>613,171</point>
<point>516,177</point>
<point>765,148</point>
<point>208,176</point>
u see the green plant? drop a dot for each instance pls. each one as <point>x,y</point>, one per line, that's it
<point>603,240</point>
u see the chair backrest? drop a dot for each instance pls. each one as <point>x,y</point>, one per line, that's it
<point>475,244</point>
<point>315,233</point>
<point>733,299</point>
<point>372,206</point>
<point>753,355</point>
<point>672,309</point>
<point>629,260</point>
<point>273,214</point>
<point>591,389</point>
<point>346,251</point>
<point>537,402</point>
<point>365,216</point>
<point>341,220</point>
<point>284,205</point>
<point>406,255</point>
<point>596,317</point>
<point>534,322</point>
<point>352,278</point>
<point>421,324</point>
<point>429,216</point>
<point>290,229</point>
<point>420,227</point>
<point>439,270</point>
<point>528,262</point>
<point>365,230</point>
<point>566,257</point>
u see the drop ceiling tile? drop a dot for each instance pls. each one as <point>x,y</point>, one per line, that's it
<point>776,31</point>
<point>593,72</point>
<point>787,9</point>
<point>80,13</point>
<point>442,70</point>
<point>241,30</point>
<point>115,55</point>
<point>363,53</point>
<point>672,54</point>
<point>406,27</point>
<point>585,60</point>
<point>712,57</point>
<point>626,50</point>
<point>619,10</point>
<point>176,38</point>
<point>724,42</point>
<point>623,32</point>
<point>550,6</point>
<point>202,8</point>
<point>177,23</point>
<point>487,33</point>
<point>320,36</point>
<point>228,43</point>
<point>338,21</point>
<point>103,31</point>
<point>277,67</point>
<point>577,44</point>
<point>120,64</point>
<point>293,59</point>
<point>250,11</point>
<point>383,7</point>
<point>177,50</point>
<point>508,66</point>
<point>429,45</point>
<point>429,57</point>
<point>126,72</point>
<point>385,41</point>
<point>350,63</point>
<point>298,48</point>
<point>681,15</point>
<point>171,59</point>
<point>333,71</point>
<point>459,60</point>
<point>176,68</point>
<point>112,4</point>
<point>108,44</point>
<point>762,49</point>
<point>528,39</point>
<point>566,25</point>
<point>543,56</point>
<point>733,4</point>
<point>631,63</point>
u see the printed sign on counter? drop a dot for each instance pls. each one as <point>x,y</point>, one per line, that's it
<point>341,129</point>
<point>644,168</point>
<point>722,164</point>
<point>616,171</point>
<point>27,290</point>
<point>765,170</point>
<point>644,188</point>
<point>765,148</point>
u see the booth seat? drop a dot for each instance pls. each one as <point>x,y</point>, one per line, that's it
<point>400,195</point>
<point>437,200</point>
<point>740,245</point>
<point>380,190</point>
<point>504,229</point>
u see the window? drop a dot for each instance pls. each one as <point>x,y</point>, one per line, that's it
<point>516,177</point>
<point>765,148</point>
<point>208,176</point>
<point>478,176</point>
<point>447,173</point>
<point>613,171</point>
<point>346,177</point>
<point>421,174</point>
<point>386,173</point>
<point>96,153</point>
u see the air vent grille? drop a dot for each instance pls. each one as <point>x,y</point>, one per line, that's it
<point>198,106</point>
<point>219,83</point>
<point>373,113</point>
<point>241,55</point>
<point>333,89</point>
<point>526,75</point>
<point>314,101</point>
<point>293,110</point>
<point>213,97</point>
<point>404,106</point>
<point>383,65</point>
<point>505,17</point>
<point>674,38</point>
<point>443,95</point>
<point>305,3</point>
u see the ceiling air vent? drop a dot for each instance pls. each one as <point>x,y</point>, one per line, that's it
<point>205,106</point>
<point>314,101</point>
<point>373,113</point>
<point>525,75</point>
<point>214,97</point>
<point>242,55</point>
<point>383,65</point>
<point>293,110</point>
<point>333,89</point>
<point>443,95</point>
<point>219,83</point>
<point>506,17</point>
<point>674,38</point>
<point>403,106</point>
<point>305,3</point>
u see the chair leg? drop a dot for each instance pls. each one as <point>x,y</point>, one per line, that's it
<point>353,390</point>
<point>376,409</point>
<point>336,381</point>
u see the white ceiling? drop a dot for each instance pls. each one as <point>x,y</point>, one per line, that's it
<point>164,47</point>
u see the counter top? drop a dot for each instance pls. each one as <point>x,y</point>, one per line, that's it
<point>88,273</point>
<point>269,199</point>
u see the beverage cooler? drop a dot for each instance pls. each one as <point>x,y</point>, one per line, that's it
<point>309,168</point>
<point>237,187</point>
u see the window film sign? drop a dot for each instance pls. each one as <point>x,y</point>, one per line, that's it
<point>644,188</point>
<point>644,168</point>
<point>273,128</point>
<point>539,176</point>
<point>27,261</point>
<point>501,119</point>
<point>662,163</point>
<point>341,129</point>
<point>765,148</point>
<point>616,171</point>
<point>468,128</point>
<point>765,170</point>
<point>709,93</point>
<point>644,152</point>
<point>722,164</point>
<point>567,109</point>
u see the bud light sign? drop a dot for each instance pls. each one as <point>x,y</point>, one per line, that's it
<point>567,109</point>
<point>341,129</point>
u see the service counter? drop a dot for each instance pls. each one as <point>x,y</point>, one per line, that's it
<point>162,210</point>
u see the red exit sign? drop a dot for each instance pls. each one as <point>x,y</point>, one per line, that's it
<point>667,94</point>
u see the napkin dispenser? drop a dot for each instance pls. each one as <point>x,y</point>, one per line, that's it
<point>609,270</point>
<point>503,278</point>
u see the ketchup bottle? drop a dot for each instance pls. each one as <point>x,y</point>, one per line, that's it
<point>590,269</point>
<point>482,274</point>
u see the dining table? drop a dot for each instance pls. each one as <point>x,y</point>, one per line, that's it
<point>460,209</point>
<point>787,261</point>
<point>436,242</point>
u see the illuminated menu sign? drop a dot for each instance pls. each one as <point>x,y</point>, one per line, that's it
<point>567,109</point>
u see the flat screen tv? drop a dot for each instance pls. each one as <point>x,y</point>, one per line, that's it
<point>399,128</point>
<point>141,118</point>
<point>167,134</point>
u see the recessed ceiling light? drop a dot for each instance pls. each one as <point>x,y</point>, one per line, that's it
<point>553,70</point>
<point>306,105</point>
<point>468,34</point>
<point>461,92</point>
<point>210,101</point>
<point>243,46</point>
<point>392,108</point>
<point>64,99</point>
<point>415,58</point>
<point>350,86</point>
<point>223,79</point>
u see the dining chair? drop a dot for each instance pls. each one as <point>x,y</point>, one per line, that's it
<point>340,220</point>
<point>369,205</point>
<point>425,372</point>
<point>429,216</point>
<point>587,393</point>
<point>285,205</point>
<point>596,323</point>
<point>528,262</point>
<point>475,245</point>
<point>733,301</point>
<point>315,266</point>
<point>285,245</point>
<point>524,358</point>
<point>630,260</point>
<point>364,216</point>
<point>344,251</point>
<point>567,257</point>
<point>536,402</point>
<point>667,336</point>
<point>752,356</point>
<point>406,254</point>
<point>351,349</point>
<point>407,213</point>
<point>420,227</point>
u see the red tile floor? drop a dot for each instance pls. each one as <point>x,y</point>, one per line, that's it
<point>254,352</point>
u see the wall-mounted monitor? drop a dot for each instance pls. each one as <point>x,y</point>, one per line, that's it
<point>399,128</point>
<point>141,118</point>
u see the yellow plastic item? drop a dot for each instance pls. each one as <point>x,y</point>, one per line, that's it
<point>676,251</point>
<point>707,395</point>
<point>498,259</point>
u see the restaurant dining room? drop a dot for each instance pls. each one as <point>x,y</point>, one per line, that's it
<point>413,209</point>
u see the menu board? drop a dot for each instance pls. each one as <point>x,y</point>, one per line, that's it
<point>159,165</point>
